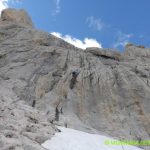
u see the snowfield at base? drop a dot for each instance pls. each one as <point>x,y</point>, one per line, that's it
<point>70,139</point>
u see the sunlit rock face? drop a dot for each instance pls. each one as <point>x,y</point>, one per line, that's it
<point>16,16</point>
<point>45,81</point>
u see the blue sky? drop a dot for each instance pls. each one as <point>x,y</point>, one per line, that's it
<point>112,23</point>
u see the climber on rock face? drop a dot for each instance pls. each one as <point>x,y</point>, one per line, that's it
<point>57,113</point>
<point>33,103</point>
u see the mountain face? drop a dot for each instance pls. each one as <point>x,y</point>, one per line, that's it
<point>45,82</point>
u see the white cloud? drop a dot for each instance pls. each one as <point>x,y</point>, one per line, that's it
<point>95,23</point>
<point>122,39</point>
<point>87,42</point>
<point>3,5</point>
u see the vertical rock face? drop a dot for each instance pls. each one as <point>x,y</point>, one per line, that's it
<point>96,90</point>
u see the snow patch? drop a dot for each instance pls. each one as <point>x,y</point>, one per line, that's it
<point>70,139</point>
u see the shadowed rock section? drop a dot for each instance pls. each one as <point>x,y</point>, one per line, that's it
<point>96,90</point>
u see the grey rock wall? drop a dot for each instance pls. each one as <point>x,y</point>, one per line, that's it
<point>96,90</point>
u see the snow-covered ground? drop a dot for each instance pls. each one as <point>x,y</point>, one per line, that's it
<point>70,139</point>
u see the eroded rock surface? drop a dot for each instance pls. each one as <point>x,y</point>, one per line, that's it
<point>96,90</point>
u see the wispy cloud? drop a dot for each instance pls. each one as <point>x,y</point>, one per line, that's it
<point>87,42</point>
<point>57,7</point>
<point>141,36</point>
<point>95,23</point>
<point>122,39</point>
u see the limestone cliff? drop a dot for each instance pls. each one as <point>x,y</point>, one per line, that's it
<point>45,81</point>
